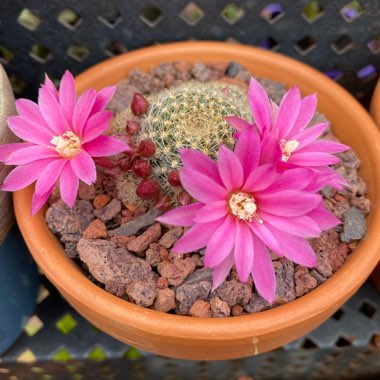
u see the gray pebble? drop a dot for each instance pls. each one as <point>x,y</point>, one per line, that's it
<point>233,69</point>
<point>354,225</point>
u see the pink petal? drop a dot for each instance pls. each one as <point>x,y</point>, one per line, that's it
<point>28,130</point>
<point>67,95</point>
<point>221,271</point>
<point>49,175</point>
<point>295,179</point>
<point>274,107</point>
<point>23,175</point>
<point>84,167</point>
<point>288,111</point>
<point>29,154</point>
<point>51,87</point>
<point>221,243</point>
<point>96,125</point>
<point>105,146</point>
<point>247,149</point>
<point>82,110</point>
<point>324,146</point>
<point>260,105</point>
<point>307,109</point>
<point>313,159</point>
<point>181,216</point>
<point>196,237</point>
<point>265,235</point>
<point>302,226</point>
<point>333,179</point>
<point>198,161</point>
<point>270,148</point>
<point>7,149</point>
<point>230,169</point>
<point>38,200</point>
<point>324,218</point>
<point>51,112</point>
<point>102,98</point>
<point>260,178</point>
<point>295,248</point>
<point>310,134</point>
<point>288,202</point>
<point>263,272</point>
<point>238,123</point>
<point>68,185</point>
<point>201,187</point>
<point>212,211</point>
<point>244,251</point>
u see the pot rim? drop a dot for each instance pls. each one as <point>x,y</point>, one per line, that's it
<point>50,256</point>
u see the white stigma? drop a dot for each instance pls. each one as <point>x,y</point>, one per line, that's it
<point>67,145</point>
<point>287,148</point>
<point>243,206</point>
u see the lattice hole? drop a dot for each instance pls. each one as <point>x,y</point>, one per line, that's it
<point>367,73</point>
<point>338,314</point>
<point>305,45</point>
<point>43,293</point>
<point>232,13</point>
<point>69,18</point>
<point>151,15</point>
<point>6,55</point>
<point>110,16</point>
<point>308,344</point>
<point>62,355</point>
<point>342,44</point>
<point>18,85</point>
<point>367,309</point>
<point>269,43</point>
<point>375,340</point>
<point>352,11</point>
<point>37,369</point>
<point>26,356</point>
<point>78,52</point>
<point>97,354</point>
<point>28,19</point>
<point>374,45</point>
<point>115,48</point>
<point>334,74</point>
<point>66,324</point>
<point>313,11</point>
<point>192,14</point>
<point>5,371</point>
<point>342,342</point>
<point>77,376</point>
<point>132,354</point>
<point>40,53</point>
<point>33,325</point>
<point>272,12</point>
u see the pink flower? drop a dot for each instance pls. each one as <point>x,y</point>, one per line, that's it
<point>61,135</point>
<point>286,137</point>
<point>244,209</point>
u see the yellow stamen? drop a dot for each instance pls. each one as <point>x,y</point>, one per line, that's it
<point>243,206</point>
<point>287,148</point>
<point>68,145</point>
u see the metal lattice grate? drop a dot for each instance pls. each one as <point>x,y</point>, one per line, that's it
<point>340,37</point>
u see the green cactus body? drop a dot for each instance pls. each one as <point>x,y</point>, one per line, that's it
<point>191,116</point>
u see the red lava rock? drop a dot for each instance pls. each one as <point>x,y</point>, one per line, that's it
<point>303,280</point>
<point>141,243</point>
<point>187,294</point>
<point>86,192</point>
<point>245,377</point>
<point>237,310</point>
<point>177,271</point>
<point>170,237</point>
<point>162,283</point>
<point>234,292</point>
<point>152,255</point>
<point>95,230</point>
<point>117,288</point>
<point>362,203</point>
<point>197,259</point>
<point>200,309</point>
<point>203,73</point>
<point>256,304</point>
<point>123,96</point>
<point>318,277</point>
<point>285,291</point>
<point>165,300</point>
<point>183,66</point>
<point>141,293</point>
<point>219,308</point>
<point>164,254</point>
<point>101,200</point>
<point>109,211</point>
<point>122,241</point>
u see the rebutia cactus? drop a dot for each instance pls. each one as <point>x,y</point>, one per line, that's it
<point>188,116</point>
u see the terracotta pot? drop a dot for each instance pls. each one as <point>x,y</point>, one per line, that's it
<point>233,337</point>
<point>375,113</point>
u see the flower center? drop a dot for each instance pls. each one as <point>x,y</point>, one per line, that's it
<point>67,145</point>
<point>243,206</point>
<point>287,148</point>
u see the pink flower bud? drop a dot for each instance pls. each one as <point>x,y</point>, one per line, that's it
<point>142,168</point>
<point>125,163</point>
<point>184,198</point>
<point>139,105</point>
<point>133,127</point>
<point>148,189</point>
<point>164,203</point>
<point>173,178</point>
<point>146,148</point>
